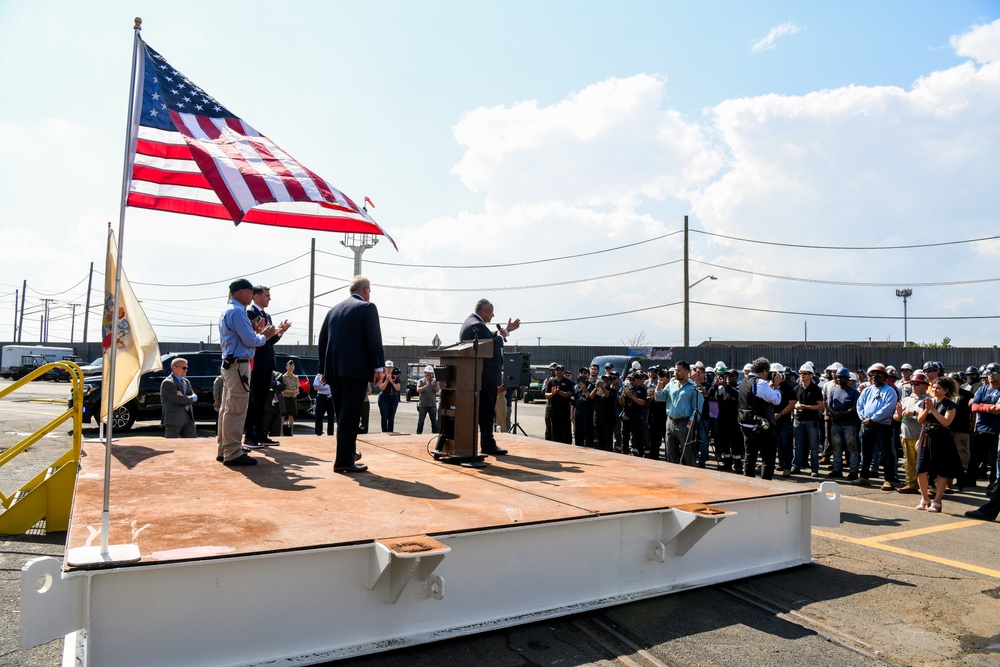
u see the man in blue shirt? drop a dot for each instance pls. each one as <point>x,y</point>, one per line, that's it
<point>684,401</point>
<point>876,406</point>
<point>238,339</point>
<point>986,408</point>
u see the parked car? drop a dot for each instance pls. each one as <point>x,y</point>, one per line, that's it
<point>203,368</point>
<point>413,374</point>
<point>60,374</point>
<point>621,362</point>
<point>95,367</point>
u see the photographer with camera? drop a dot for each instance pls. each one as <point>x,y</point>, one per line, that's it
<point>725,426</point>
<point>757,399</point>
<point>658,412</point>
<point>559,393</point>
<point>605,399</point>
<point>583,410</point>
<point>633,399</point>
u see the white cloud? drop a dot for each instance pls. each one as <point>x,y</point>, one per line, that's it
<point>981,43</point>
<point>778,31</point>
<point>858,165</point>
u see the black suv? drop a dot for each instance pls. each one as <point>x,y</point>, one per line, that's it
<point>203,368</point>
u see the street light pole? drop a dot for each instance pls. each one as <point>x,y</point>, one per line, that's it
<point>687,317</point>
<point>904,294</point>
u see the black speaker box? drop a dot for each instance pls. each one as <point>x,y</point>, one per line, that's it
<point>517,369</point>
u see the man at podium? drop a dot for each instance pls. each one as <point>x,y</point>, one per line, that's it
<point>475,327</point>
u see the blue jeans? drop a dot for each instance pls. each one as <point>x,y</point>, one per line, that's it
<point>878,437</point>
<point>841,435</point>
<point>431,412</point>
<point>387,405</point>
<point>806,432</point>
<point>783,434</point>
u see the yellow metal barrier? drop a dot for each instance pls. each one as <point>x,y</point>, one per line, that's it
<point>48,495</point>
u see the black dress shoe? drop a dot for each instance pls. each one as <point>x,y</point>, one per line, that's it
<point>357,467</point>
<point>219,459</point>
<point>269,442</point>
<point>357,456</point>
<point>241,460</point>
<point>496,451</point>
<point>976,514</point>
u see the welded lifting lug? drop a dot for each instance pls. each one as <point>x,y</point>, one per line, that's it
<point>683,526</point>
<point>826,505</point>
<point>398,559</point>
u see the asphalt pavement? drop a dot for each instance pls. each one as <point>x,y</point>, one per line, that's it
<point>891,586</point>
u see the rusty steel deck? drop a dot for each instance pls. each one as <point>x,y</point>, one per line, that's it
<point>172,499</point>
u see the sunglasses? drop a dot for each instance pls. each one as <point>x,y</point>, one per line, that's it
<point>916,383</point>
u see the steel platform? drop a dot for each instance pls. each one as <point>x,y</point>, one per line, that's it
<point>289,563</point>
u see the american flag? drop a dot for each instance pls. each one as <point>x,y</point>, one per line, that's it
<point>194,156</point>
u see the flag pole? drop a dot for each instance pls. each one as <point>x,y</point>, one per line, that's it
<point>106,554</point>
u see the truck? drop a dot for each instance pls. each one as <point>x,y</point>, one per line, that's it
<point>19,360</point>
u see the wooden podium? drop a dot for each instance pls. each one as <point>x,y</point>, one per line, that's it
<point>459,375</point>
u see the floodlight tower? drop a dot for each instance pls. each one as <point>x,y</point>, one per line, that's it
<point>904,294</point>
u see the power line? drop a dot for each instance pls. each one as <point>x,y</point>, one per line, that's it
<point>507,264</point>
<point>562,319</point>
<point>836,247</point>
<point>224,280</point>
<point>525,287</point>
<point>45,294</point>
<point>846,283</point>
<point>852,317</point>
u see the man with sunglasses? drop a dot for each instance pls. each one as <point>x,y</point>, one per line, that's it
<point>177,400</point>
<point>876,406</point>
<point>986,408</point>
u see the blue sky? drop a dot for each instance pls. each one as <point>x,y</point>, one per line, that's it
<point>495,133</point>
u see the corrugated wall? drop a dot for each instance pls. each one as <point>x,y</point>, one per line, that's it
<point>854,356</point>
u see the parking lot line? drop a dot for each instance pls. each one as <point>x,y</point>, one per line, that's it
<point>876,543</point>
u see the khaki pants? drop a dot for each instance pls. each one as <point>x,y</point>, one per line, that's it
<point>910,452</point>
<point>233,414</point>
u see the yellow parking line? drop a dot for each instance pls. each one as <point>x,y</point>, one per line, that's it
<point>874,544</point>
<point>916,532</point>
<point>877,502</point>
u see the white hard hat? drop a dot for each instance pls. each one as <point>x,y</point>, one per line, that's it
<point>777,368</point>
<point>428,368</point>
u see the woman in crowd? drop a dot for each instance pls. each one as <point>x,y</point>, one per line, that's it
<point>388,398</point>
<point>290,395</point>
<point>936,451</point>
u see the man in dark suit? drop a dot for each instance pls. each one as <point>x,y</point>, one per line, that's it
<point>177,400</point>
<point>351,356</point>
<point>260,376</point>
<point>475,327</point>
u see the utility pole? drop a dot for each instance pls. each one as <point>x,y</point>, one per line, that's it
<point>358,243</point>
<point>45,321</point>
<point>687,290</point>
<point>24,297</point>
<point>312,287</point>
<point>86,309</point>
<point>72,322</point>
<point>16,295</point>
<point>904,294</point>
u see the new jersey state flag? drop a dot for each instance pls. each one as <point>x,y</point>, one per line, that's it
<point>193,155</point>
<point>133,344</point>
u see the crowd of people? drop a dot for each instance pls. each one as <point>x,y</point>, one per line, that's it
<point>838,424</point>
